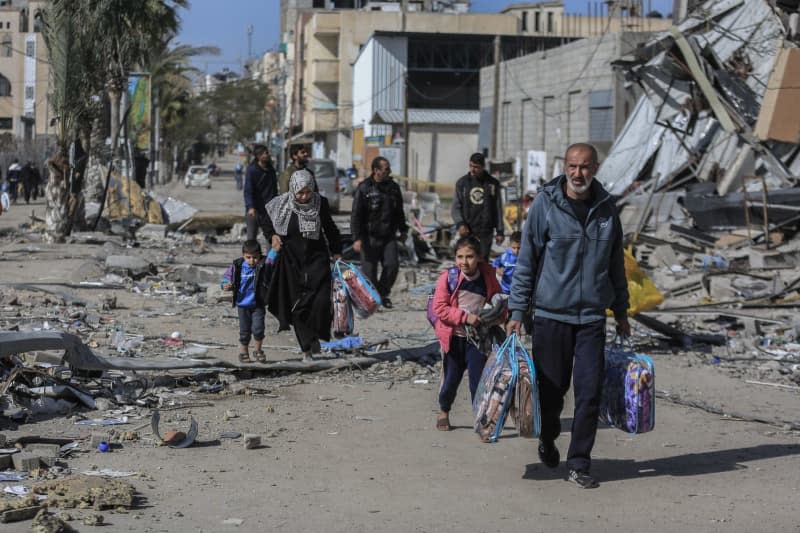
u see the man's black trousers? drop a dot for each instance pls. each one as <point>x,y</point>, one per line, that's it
<point>386,254</point>
<point>561,351</point>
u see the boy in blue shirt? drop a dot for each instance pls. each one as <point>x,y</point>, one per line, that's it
<point>506,263</point>
<point>248,278</point>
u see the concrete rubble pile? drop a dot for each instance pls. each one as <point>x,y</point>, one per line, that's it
<point>710,201</point>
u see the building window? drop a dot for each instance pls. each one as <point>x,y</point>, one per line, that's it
<point>37,22</point>
<point>550,22</point>
<point>30,49</point>
<point>5,46</point>
<point>5,86</point>
<point>601,120</point>
<point>6,123</point>
<point>29,92</point>
<point>524,20</point>
<point>537,22</point>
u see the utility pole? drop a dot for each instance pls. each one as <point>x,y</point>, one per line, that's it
<point>405,126</point>
<point>249,41</point>
<point>496,104</point>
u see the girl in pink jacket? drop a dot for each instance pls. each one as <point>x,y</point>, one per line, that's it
<point>454,309</point>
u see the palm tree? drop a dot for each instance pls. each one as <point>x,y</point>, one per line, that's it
<point>91,42</point>
<point>128,35</point>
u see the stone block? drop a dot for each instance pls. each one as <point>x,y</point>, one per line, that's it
<point>26,461</point>
<point>126,265</point>
<point>42,449</point>
<point>251,441</point>
<point>154,232</point>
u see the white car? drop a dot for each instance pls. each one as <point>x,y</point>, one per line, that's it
<point>197,176</point>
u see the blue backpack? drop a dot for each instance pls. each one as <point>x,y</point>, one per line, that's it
<point>452,281</point>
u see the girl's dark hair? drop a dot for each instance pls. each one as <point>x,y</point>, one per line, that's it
<point>469,241</point>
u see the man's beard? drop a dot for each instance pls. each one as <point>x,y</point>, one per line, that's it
<point>579,189</point>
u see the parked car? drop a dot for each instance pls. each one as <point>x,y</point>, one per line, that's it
<point>197,176</point>
<point>327,180</point>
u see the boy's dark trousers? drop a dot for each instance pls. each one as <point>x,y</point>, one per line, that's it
<point>387,255</point>
<point>462,356</point>
<point>556,346</point>
<point>251,321</point>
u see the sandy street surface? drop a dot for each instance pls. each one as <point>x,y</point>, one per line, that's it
<point>354,450</point>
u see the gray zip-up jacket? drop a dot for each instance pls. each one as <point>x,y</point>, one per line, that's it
<point>577,271</point>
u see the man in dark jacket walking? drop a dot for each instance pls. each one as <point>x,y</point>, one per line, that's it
<point>477,206</point>
<point>376,218</point>
<point>260,186</point>
<point>571,266</point>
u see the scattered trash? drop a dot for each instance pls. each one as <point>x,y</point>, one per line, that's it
<point>188,440</point>
<point>108,472</point>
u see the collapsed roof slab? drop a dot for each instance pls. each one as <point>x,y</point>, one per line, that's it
<point>629,155</point>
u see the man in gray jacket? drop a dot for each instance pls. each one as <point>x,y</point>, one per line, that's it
<point>571,268</point>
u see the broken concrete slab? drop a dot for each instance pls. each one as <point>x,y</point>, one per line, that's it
<point>154,232</point>
<point>26,461</point>
<point>126,265</point>
<point>194,274</point>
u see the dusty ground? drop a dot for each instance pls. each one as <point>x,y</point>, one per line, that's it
<point>357,451</point>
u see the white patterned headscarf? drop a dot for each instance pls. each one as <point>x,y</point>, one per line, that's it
<point>281,207</point>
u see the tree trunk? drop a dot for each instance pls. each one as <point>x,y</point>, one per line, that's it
<point>114,97</point>
<point>57,212</point>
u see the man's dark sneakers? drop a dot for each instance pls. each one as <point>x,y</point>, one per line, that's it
<point>548,454</point>
<point>387,303</point>
<point>582,479</point>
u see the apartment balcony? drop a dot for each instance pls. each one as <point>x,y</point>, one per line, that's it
<point>325,71</point>
<point>321,120</point>
<point>325,24</point>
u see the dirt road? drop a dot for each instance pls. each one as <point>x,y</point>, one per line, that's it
<point>357,451</point>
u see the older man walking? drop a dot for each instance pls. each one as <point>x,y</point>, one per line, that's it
<point>571,267</point>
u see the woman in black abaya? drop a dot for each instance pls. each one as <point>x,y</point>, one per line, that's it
<point>300,227</point>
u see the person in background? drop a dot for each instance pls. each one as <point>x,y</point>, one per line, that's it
<point>238,174</point>
<point>504,264</point>
<point>300,227</point>
<point>13,177</point>
<point>571,269</point>
<point>477,205</point>
<point>377,217</point>
<point>299,156</point>
<point>260,186</point>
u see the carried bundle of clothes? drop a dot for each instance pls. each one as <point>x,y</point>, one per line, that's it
<point>629,390</point>
<point>508,385</point>
<point>342,308</point>
<point>350,291</point>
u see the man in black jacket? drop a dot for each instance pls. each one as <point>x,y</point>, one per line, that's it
<point>477,206</point>
<point>376,218</point>
<point>260,186</point>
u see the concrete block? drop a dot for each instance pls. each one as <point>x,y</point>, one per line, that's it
<point>664,255</point>
<point>155,232</point>
<point>26,461</point>
<point>251,441</point>
<point>720,288</point>
<point>126,265</point>
<point>194,274</point>
<point>42,449</point>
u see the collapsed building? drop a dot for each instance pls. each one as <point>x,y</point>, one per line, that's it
<point>717,127</point>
